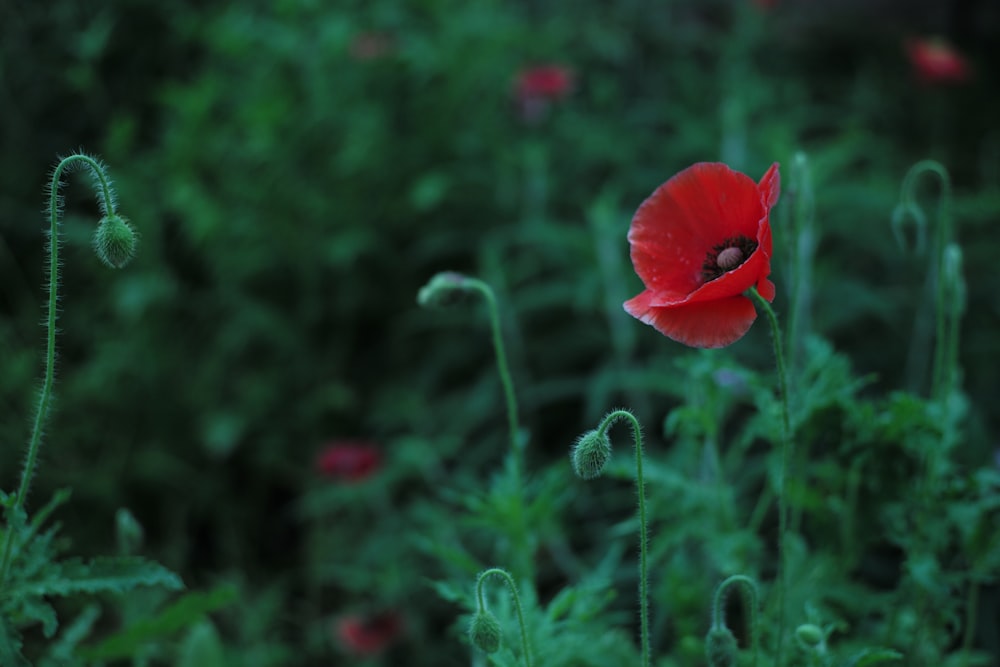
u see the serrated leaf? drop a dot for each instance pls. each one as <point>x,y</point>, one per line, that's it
<point>108,574</point>
<point>183,613</point>
<point>10,646</point>
<point>61,653</point>
<point>874,656</point>
<point>39,611</point>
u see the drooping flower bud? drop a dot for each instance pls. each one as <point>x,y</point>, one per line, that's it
<point>444,289</point>
<point>721,648</point>
<point>115,241</point>
<point>129,532</point>
<point>810,635</point>
<point>485,632</point>
<point>590,454</point>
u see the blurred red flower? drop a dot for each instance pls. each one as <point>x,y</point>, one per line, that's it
<point>371,46</point>
<point>348,460</point>
<point>549,82</point>
<point>699,242</point>
<point>536,88</point>
<point>935,61</point>
<point>369,635</point>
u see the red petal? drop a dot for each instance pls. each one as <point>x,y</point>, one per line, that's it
<point>679,224</point>
<point>709,324</point>
<point>770,186</point>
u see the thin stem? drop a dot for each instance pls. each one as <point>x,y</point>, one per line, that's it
<point>522,546</point>
<point>517,604</point>
<point>786,446</point>
<point>908,204</point>
<point>106,202</point>
<point>609,420</point>
<point>971,609</point>
<point>718,613</point>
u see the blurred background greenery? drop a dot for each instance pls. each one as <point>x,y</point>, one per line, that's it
<point>298,169</point>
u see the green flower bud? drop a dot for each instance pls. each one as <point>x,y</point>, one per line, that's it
<point>484,632</point>
<point>809,635</point>
<point>115,241</point>
<point>129,532</point>
<point>590,454</point>
<point>444,289</point>
<point>721,648</point>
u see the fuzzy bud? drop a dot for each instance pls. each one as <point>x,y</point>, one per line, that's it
<point>129,532</point>
<point>590,454</point>
<point>809,635</point>
<point>115,241</point>
<point>721,648</point>
<point>484,632</point>
<point>444,289</point>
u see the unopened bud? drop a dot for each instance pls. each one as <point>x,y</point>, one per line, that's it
<point>444,289</point>
<point>590,454</point>
<point>115,241</point>
<point>484,632</point>
<point>810,635</point>
<point>129,532</point>
<point>721,648</point>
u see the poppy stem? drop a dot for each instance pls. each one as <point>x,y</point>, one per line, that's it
<point>523,550</point>
<point>607,423</point>
<point>718,613</point>
<point>481,604</point>
<point>107,205</point>
<point>786,446</point>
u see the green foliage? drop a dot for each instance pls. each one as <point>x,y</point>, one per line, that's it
<point>299,169</point>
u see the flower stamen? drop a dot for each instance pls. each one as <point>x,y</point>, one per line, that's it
<point>727,256</point>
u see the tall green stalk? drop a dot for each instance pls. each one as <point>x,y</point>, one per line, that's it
<point>114,243</point>
<point>590,455</point>
<point>786,447</point>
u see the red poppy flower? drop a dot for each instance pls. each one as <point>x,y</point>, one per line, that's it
<point>368,635</point>
<point>546,82</point>
<point>370,46</point>
<point>935,61</point>
<point>699,242</point>
<point>350,461</point>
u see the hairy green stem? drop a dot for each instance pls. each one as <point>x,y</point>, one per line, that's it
<point>522,546</point>
<point>106,203</point>
<point>718,613</point>
<point>606,424</point>
<point>505,575</point>
<point>786,446</point>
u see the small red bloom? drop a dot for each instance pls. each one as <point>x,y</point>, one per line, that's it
<point>371,46</point>
<point>546,82</point>
<point>699,242</point>
<point>935,61</point>
<point>350,461</point>
<point>368,635</point>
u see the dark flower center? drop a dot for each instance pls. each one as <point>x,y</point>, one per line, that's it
<point>727,256</point>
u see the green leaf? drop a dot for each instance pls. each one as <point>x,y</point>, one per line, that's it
<point>39,611</point>
<point>874,656</point>
<point>62,651</point>
<point>202,647</point>
<point>10,646</point>
<point>106,574</point>
<point>183,613</point>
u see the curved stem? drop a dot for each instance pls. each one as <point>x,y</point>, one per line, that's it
<point>718,616</point>
<point>502,368</point>
<point>786,446</point>
<point>606,424</point>
<point>505,575</point>
<point>106,202</point>
<point>523,551</point>
<point>908,204</point>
